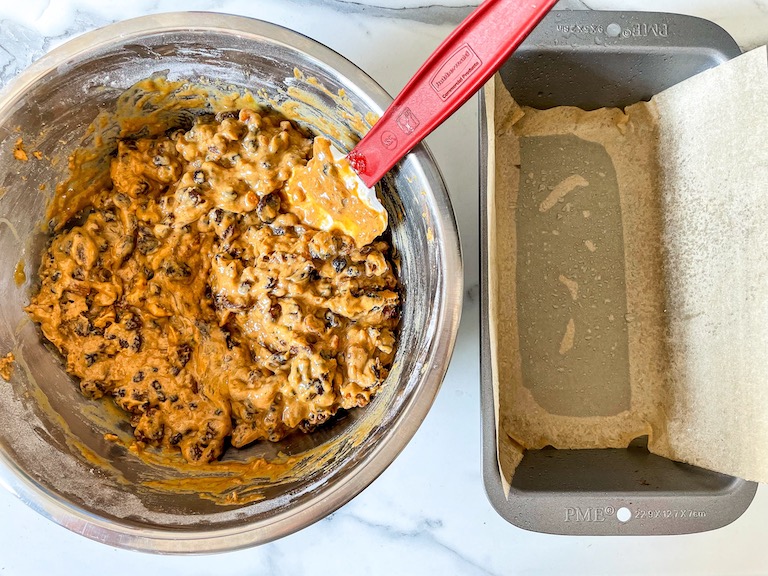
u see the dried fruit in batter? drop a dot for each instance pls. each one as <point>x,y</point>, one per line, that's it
<point>192,295</point>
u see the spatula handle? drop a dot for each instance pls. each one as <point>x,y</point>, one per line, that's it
<point>449,77</point>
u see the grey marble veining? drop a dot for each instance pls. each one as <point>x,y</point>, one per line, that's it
<point>427,513</point>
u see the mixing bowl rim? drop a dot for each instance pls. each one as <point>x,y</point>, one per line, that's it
<point>411,415</point>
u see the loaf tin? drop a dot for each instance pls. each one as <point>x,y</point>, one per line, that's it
<point>593,59</point>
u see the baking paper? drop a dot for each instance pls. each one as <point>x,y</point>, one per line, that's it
<point>628,281</point>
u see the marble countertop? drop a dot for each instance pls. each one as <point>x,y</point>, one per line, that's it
<point>428,513</point>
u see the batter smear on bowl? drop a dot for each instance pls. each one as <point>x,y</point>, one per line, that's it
<point>191,293</point>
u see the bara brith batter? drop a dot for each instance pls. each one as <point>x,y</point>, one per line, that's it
<point>193,291</point>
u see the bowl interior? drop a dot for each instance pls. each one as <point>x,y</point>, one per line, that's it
<point>52,437</point>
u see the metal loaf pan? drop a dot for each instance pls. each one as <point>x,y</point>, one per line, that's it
<point>592,59</point>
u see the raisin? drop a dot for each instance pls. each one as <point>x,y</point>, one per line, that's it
<point>139,376</point>
<point>390,312</point>
<point>82,326</point>
<point>92,388</point>
<point>142,186</point>
<point>229,231</point>
<point>210,434</point>
<point>126,248</point>
<point>305,426</point>
<point>158,391</point>
<point>147,243</point>
<point>183,353</point>
<point>268,207</point>
<point>158,433</point>
<point>175,439</point>
<point>194,196</point>
<point>137,342</point>
<point>176,270</point>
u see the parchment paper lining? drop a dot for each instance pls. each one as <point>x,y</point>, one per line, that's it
<point>691,169</point>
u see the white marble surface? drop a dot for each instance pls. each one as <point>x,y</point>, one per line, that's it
<point>427,514</point>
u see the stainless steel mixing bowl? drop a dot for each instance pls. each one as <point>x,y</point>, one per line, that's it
<point>53,454</point>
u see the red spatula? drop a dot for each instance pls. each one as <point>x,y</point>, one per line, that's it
<point>453,73</point>
<point>449,77</point>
